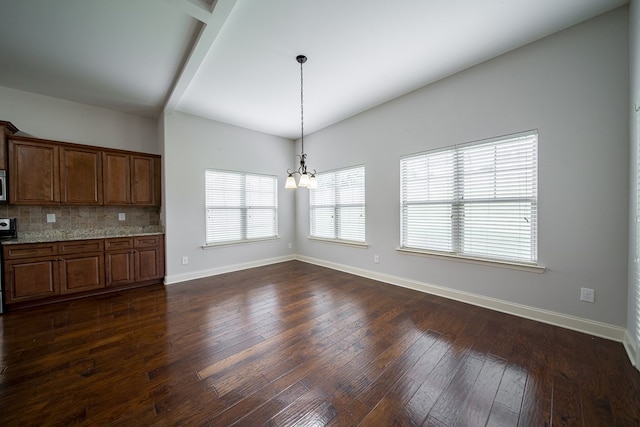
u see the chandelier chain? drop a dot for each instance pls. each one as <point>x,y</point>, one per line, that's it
<point>301,109</point>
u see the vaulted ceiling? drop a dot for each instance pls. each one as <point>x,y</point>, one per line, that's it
<point>234,60</point>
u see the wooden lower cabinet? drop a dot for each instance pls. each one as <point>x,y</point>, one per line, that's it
<point>79,273</point>
<point>149,257</point>
<point>135,259</point>
<point>31,279</point>
<point>45,272</point>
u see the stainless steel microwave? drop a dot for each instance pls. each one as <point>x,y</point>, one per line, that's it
<point>3,186</point>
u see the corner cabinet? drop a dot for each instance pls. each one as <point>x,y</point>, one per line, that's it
<point>40,273</point>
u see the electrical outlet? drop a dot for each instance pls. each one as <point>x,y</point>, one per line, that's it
<point>290,245</point>
<point>376,259</point>
<point>51,217</point>
<point>185,260</point>
<point>122,216</point>
<point>587,295</point>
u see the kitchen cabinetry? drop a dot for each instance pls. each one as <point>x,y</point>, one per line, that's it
<point>131,179</point>
<point>45,172</point>
<point>81,265</point>
<point>38,273</point>
<point>119,259</point>
<point>117,179</point>
<point>134,259</point>
<point>34,172</point>
<point>6,129</point>
<point>148,257</point>
<point>80,176</point>
<point>31,272</point>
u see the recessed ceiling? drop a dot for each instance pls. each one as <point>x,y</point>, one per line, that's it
<point>234,60</point>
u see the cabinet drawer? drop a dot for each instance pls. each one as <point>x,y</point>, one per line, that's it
<point>147,241</point>
<point>81,246</point>
<point>116,244</point>
<point>30,250</point>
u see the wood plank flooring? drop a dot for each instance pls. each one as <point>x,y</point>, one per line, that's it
<point>297,344</point>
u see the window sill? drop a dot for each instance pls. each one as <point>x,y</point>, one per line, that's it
<point>341,242</point>
<point>532,268</point>
<point>238,242</point>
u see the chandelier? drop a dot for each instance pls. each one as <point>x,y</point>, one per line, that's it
<point>307,179</point>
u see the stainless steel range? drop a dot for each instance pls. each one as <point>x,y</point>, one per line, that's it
<point>8,231</point>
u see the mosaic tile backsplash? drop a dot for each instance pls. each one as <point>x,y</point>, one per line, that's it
<point>34,218</point>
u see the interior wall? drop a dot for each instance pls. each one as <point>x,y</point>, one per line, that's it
<point>573,87</point>
<point>57,119</point>
<point>633,315</point>
<point>193,144</point>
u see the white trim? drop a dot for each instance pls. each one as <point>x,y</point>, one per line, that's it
<point>632,349</point>
<point>239,242</point>
<point>532,268</point>
<point>587,326</point>
<point>351,243</point>
<point>177,278</point>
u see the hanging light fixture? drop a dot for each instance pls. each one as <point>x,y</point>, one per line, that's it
<point>307,179</point>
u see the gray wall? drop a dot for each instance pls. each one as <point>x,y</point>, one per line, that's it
<point>573,87</point>
<point>52,118</point>
<point>192,144</point>
<point>633,315</point>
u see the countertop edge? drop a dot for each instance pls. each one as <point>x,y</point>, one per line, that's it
<point>55,239</point>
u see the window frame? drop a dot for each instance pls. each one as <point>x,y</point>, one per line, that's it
<point>339,219</point>
<point>454,197</point>
<point>243,207</point>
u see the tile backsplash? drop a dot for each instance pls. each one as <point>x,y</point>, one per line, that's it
<point>34,218</point>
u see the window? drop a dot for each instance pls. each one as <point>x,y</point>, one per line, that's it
<point>240,206</point>
<point>336,207</point>
<point>476,200</point>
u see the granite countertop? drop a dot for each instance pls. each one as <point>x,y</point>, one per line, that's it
<point>83,234</point>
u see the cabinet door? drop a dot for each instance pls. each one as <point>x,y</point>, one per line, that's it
<point>120,267</point>
<point>80,273</point>
<point>116,178</point>
<point>31,279</point>
<point>6,129</point>
<point>34,173</point>
<point>81,176</point>
<point>143,180</point>
<point>149,257</point>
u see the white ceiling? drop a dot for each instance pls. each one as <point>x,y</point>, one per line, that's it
<point>234,61</point>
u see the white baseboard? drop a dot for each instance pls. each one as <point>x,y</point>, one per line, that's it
<point>177,278</point>
<point>590,327</point>
<point>631,346</point>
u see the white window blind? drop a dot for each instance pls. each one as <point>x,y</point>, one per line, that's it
<point>240,206</point>
<point>337,206</point>
<point>477,199</point>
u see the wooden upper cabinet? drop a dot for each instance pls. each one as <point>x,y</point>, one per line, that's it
<point>131,179</point>
<point>80,176</point>
<point>143,180</point>
<point>116,178</point>
<point>34,172</point>
<point>6,129</point>
<point>43,172</point>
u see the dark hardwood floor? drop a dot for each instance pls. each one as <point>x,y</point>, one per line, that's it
<point>296,344</point>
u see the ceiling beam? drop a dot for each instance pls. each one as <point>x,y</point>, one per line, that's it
<point>197,9</point>
<point>213,22</point>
